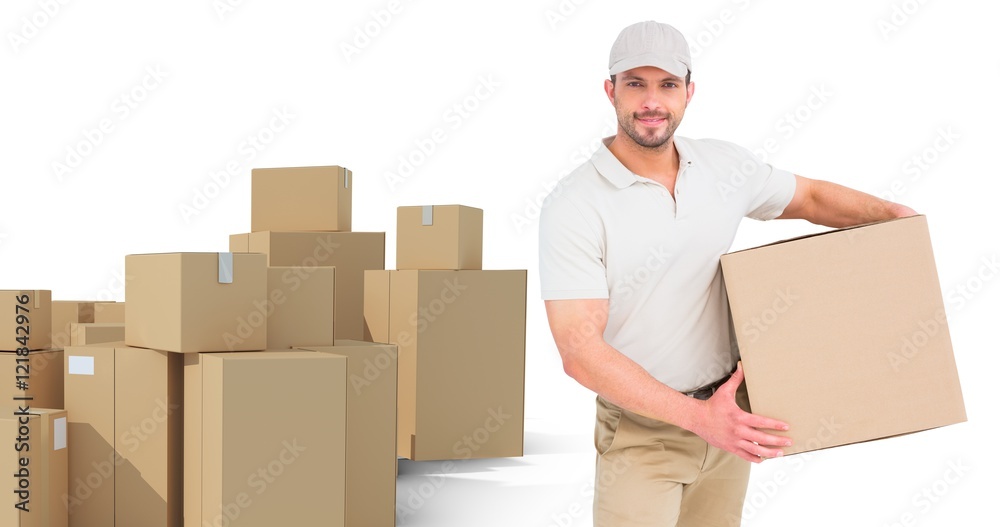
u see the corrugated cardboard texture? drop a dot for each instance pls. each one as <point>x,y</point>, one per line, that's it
<point>350,252</point>
<point>109,312</point>
<point>280,418</point>
<point>303,300</point>
<point>300,199</point>
<point>39,319</point>
<point>371,431</point>
<point>843,335</point>
<point>45,382</point>
<point>148,437</point>
<point>176,303</point>
<point>96,333</point>
<point>90,410</point>
<point>66,312</point>
<point>454,240</point>
<point>461,339</point>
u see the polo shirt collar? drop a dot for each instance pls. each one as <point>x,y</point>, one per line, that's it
<point>615,172</point>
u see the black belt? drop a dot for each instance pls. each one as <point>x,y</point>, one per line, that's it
<point>708,390</point>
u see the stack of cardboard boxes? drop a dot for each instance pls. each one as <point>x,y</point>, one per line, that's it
<point>248,388</point>
<point>460,331</point>
<point>31,414</point>
<point>204,414</point>
<point>301,217</point>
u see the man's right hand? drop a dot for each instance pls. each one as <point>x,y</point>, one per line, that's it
<point>725,425</point>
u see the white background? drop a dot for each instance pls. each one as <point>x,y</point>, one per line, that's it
<point>901,79</point>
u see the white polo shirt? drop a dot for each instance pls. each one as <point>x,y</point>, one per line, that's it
<point>605,232</point>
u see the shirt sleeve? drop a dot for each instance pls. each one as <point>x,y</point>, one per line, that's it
<point>772,191</point>
<point>570,254</point>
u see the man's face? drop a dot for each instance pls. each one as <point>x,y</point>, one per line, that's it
<point>650,103</point>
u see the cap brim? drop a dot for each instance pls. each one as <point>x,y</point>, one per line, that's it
<point>671,66</point>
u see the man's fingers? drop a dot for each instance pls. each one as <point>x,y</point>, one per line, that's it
<point>764,423</point>
<point>761,438</point>
<point>761,452</point>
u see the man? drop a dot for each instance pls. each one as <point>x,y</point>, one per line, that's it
<point>629,248</point>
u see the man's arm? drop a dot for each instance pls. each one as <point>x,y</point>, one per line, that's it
<point>578,329</point>
<point>833,205</point>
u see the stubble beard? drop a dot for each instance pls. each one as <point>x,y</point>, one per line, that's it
<point>656,141</point>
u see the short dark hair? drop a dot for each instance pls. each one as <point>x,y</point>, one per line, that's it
<point>687,78</point>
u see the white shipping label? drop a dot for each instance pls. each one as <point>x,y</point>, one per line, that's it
<point>80,365</point>
<point>59,434</point>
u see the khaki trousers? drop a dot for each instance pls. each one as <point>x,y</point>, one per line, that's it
<point>650,473</point>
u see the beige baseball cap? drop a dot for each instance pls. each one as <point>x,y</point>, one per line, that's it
<point>650,43</point>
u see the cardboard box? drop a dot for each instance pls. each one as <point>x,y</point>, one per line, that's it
<point>265,438</point>
<point>44,449</point>
<point>91,425</point>
<point>66,312</point>
<point>44,382</point>
<point>371,431</point>
<point>239,243</point>
<point>461,340</point>
<point>303,300</point>
<point>193,302</point>
<point>28,321</point>
<point>439,237</point>
<point>96,333</point>
<point>843,334</point>
<point>109,312</point>
<point>350,252</point>
<point>300,199</point>
<point>125,449</point>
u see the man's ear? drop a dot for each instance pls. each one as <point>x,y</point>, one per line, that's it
<point>609,90</point>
